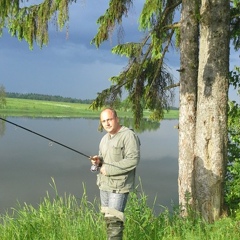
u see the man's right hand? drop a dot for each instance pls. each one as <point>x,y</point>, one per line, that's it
<point>95,160</point>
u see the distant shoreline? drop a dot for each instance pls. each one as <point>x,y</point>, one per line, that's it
<point>49,109</point>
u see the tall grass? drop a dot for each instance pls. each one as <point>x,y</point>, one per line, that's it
<point>68,218</point>
<point>60,218</point>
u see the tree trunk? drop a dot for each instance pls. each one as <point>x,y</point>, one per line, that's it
<point>188,100</point>
<point>211,122</point>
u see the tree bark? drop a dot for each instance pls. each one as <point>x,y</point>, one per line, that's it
<point>189,33</point>
<point>211,119</point>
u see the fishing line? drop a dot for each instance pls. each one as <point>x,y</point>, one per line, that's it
<point>45,137</point>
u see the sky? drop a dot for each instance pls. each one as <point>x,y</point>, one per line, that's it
<point>71,66</point>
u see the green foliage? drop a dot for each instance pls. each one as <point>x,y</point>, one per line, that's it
<point>157,18</point>
<point>150,12</point>
<point>234,78</point>
<point>178,37</point>
<point>32,22</point>
<point>232,187</point>
<point>112,17</point>
<point>233,170</point>
<point>235,22</point>
<point>7,7</point>
<point>128,49</point>
<point>146,78</point>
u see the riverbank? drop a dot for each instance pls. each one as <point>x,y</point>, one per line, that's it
<point>37,108</point>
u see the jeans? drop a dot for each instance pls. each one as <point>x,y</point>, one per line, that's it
<point>116,201</point>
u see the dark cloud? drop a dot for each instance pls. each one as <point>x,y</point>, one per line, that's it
<point>69,65</point>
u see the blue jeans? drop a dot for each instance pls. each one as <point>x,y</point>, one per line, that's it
<point>116,201</point>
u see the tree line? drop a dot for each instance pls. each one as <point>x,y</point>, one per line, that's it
<point>45,97</point>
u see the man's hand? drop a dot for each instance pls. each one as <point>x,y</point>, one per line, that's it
<point>95,160</point>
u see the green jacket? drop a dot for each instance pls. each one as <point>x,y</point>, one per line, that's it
<point>120,154</point>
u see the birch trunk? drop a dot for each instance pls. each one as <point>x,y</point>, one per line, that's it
<point>211,122</point>
<point>188,100</point>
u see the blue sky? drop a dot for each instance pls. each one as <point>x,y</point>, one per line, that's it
<point>71,67</point>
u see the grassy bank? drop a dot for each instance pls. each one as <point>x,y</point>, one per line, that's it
<point>35,108</point>
<point>78,219</point>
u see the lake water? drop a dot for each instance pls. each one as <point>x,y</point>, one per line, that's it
<point>29,162</point>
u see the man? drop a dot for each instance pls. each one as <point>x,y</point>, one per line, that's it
<point>119,154</point>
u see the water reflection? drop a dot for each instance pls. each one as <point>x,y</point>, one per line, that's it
<point>2,128</point>
<point>28,162</point>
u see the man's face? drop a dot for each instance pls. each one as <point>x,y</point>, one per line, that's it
<point>109,121</point>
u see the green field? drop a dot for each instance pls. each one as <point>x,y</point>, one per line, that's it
<point>36,108</point>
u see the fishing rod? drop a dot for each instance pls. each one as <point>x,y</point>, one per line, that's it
<point>45,137</point>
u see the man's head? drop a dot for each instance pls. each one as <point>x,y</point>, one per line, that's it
<point>110,121</point>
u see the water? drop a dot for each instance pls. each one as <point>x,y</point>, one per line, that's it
<point>29,162</point>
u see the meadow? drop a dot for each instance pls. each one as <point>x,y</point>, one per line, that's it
<point>39,108</point>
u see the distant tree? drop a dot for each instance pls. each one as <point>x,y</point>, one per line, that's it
<point>3,101</point>
<point>44,97</point>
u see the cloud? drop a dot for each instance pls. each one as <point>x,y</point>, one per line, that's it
<point>63,69</point>
<point>71,66</point>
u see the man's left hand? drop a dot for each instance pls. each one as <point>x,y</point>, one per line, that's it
<point>103,170</point>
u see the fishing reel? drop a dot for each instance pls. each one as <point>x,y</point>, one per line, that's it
<point>94,168</point>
